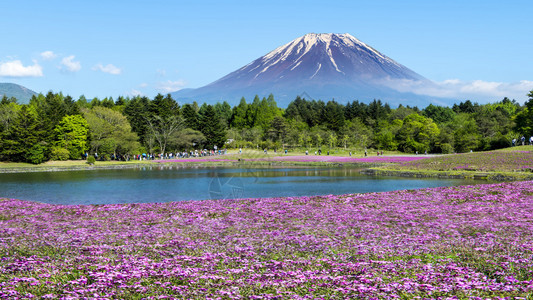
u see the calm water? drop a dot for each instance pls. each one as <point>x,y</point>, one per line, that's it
<point>163,184</point>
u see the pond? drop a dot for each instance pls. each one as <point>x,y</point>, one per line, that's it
<point>167,183</point>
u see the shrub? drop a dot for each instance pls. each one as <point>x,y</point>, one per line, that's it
<point>446,148</point>
<point>91,160</point>
<point>36,154</point>
<point>59,153</point>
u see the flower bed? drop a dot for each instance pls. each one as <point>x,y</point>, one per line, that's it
<point>342,159</point>
<point>504,161</point>
<point>199,159</point>
<point>464,242</point>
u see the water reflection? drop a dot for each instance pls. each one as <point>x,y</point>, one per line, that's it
<point>165,183</point>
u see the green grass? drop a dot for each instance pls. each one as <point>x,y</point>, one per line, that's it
<point>58,165</point>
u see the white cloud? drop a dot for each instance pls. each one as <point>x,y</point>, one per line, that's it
<point>481,87</point>
<point>70,65</point>
<point>170,86</point>
<point>15,68</point>
<point>135,92</point>
<point>109,68</point>
<point>48,55</point>
<point>143,85</point>
<point>452,81</point>
<point>477,90</point>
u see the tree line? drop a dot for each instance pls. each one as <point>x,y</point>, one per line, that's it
<point>57,127</point>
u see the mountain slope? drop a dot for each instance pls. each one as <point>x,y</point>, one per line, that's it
<point>319,58</point>
<point>22,94</point>
<point>324,66</point>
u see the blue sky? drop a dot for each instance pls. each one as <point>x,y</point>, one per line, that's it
<point>479,50</point>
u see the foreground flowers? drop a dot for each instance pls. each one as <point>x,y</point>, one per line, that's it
<point>466,242</point>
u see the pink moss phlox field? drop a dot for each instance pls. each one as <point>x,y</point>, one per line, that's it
<point>506,161</point>
<point>344,159</point>
<point>194,160</point>
<point>455,242</point>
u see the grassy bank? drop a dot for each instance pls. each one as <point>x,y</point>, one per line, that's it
<point>248,158</point>
<point>514,163</point>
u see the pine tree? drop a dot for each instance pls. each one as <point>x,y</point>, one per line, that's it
<point>238,118</point>
<point>224,111</point>
<point>22,136</point>
<point>164,107</point>
<point>191,116</point>
<point>212,128</point>
<point>136,111</point>
<point>71,107</point>
<point>51,109</point>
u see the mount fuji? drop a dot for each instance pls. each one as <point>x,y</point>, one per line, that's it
<point>322,66</point>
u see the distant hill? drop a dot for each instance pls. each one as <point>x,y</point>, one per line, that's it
<point>22,94</point>
<point>324,66</point>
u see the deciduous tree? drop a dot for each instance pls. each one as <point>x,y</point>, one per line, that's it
<point>72,134</point>
<point>111,129</point>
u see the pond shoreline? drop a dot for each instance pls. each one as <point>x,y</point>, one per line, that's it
<point>369,169</point>
<point>477,166</point>
<point>163,164</point>
<point>489,176</point>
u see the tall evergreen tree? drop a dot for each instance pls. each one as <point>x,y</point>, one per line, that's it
<point>252,111</point>
<point>22,136</point>
<point>71,107</point>
<point>439,114</point>
<point>224,112</point>
<point>108,102</point>
<point>121,101</point>
<point>164,106</point>
<point>82,102</point>
<point>238,118</point>
<point>136,111</point>
<point>212,128</point>
<point>191,116</point>
<point>50,109</point>
<point>334,116</point>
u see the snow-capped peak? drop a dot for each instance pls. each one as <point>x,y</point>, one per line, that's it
<point>325,64</point>
<point>320,54</point>
<point>302,45</point>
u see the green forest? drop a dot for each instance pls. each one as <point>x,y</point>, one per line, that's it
<point>58,127</point>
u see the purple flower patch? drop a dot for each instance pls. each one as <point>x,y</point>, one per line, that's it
<point>451,242</point>
<point>343,159</point>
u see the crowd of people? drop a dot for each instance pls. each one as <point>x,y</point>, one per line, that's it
<point>523,141</point>
<point>183,154</point>
<point>161,156</point>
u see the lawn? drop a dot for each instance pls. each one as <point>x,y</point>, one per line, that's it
<point>464,242</point>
